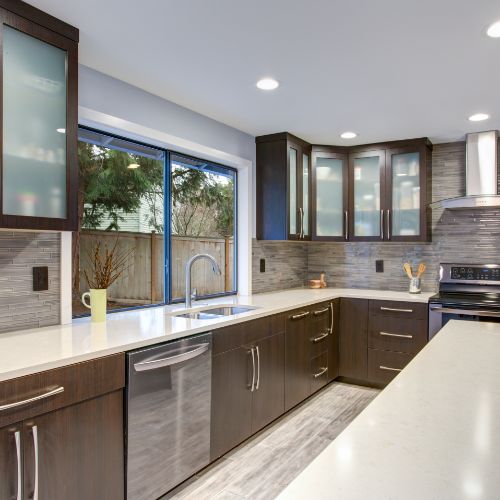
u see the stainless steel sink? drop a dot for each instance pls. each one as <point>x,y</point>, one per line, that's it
<point>215,312</point>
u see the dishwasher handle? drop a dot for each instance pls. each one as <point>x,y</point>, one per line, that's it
<point>171,360</point>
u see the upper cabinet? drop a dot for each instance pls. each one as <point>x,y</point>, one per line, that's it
<point>377,192</point>
<point>39,77</point>
<point>283,188</point>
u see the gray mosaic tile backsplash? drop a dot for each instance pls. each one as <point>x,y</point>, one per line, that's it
<point>469,236</point>
<point>20,307</point>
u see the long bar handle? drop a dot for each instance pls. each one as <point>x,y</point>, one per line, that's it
<point>34,431</point>
<point>257,384</point>
<point>395,309</point>
<point>388,222</point>
<point>388,368</point>
<point>320,311</point>
<point>252,386</point>
<point>301,214</point>
<point>172,360</point>
<point>45,395</point>
<point>381,224</point>
<point>300,316</point>
<point>17,438</point>
<point>399,335</point>
<point>321,372</point>
<point>346,225</point>
<point>319,338</point>
<point>465,312</point>
<point>331,319</point>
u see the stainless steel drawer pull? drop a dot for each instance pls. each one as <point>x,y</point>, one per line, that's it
<point>321,311</point>
<point>45,395</point>
<point>300,316</point>
<point>321,372</point>
<point>19,494</point>
<point>388,368</point>
<point>399,335</point>
<point>319,338</point>
<point>172,360</point>
<point>257,384</point>
<point>331,319</point>
<point>382,308</point>
<point>252,352</point>
<point>34,431</point>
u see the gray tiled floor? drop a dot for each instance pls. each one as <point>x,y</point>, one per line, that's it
<point>261,467</point>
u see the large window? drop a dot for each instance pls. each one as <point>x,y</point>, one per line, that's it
<point>125,190</point>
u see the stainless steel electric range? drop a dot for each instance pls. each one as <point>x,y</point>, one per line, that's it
<point>467,292</point>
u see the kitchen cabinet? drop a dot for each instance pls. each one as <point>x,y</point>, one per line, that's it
<point>247,381</point>
<point>353,344</point>
<point>39,120</point>
<point>283,187</point>
<point>73,431</point>
<point>374,192</point>
<point>329,195</point>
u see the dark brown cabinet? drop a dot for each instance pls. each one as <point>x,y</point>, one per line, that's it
<point>38,140</point>
<point>353,345</point>
<point>374,192</point>
<point>283,187</point>
<point>247,381</point>
<point>74,432</point>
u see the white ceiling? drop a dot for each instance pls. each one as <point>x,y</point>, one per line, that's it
<point>387,69</point>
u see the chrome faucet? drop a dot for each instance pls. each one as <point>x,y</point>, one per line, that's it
<point>189,265</point>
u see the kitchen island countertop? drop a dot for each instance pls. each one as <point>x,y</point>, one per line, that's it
<point>30,351</point>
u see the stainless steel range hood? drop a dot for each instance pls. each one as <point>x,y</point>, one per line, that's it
<point>481,178</point>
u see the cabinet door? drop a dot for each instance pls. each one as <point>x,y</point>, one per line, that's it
<point>268,401</point>
<point>76,452</point>
<point>231,422</point>
<point>10,462</point>
<point>39,164</point>
<point>353,338</point>
<point>297,359</point>
<point>299,181</point>
<point>329,196</point>
<point>333,341</point>
<point>406,189</point>
<point>366,195</point>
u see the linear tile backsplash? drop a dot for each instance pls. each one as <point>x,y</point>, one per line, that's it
<point>20,307</point>
<point>467,236</point>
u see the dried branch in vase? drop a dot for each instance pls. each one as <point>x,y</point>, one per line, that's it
<point>106,265</point>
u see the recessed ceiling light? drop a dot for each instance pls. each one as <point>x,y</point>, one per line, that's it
<point>494,30</point>
<point>61,130</point>
<point>267,84</point>
<point>133,166</point>
<point>348,135</point>
<point>478,117</point>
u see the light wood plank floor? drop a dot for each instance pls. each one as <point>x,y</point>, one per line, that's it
<point>264,465</point>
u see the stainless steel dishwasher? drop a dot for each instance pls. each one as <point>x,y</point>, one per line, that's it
<point>168,415</point>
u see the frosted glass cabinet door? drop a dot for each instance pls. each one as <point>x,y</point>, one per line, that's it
<point>34,126</point>
<point>405,171</point>
<point>367,171</point>
<point>329,189</point>
<point>305,196</point>
<point>292,190</point>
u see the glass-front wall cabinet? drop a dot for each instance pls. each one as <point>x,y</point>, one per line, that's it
<point>329,196</point>
<point>299,166</point>
<point>367,175</point>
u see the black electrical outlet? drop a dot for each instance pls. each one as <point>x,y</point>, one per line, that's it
<point>379,266</point>
<point>262,265</point>
<point>40,278</point>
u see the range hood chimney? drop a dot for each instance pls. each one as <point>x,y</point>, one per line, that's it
<point>481,177</point>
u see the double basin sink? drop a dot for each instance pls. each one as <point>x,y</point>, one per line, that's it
<point>215,312</point>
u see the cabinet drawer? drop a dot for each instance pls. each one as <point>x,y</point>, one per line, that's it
<point>383,366</point>
<point>321,317</point>
<point>319,343</point>
<point>397,334</point>
<point>60,387</point>
<point>319,371</point>
<point>398,309</point>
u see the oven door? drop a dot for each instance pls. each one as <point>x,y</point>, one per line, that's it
<point>439,316</point>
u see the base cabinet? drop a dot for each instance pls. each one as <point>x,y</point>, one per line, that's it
<point>10,462</point>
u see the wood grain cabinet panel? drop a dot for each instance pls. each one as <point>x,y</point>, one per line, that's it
<point>11,471</point>
<point>383,366</point>
<point>398,309</point>
<point>397,334</point>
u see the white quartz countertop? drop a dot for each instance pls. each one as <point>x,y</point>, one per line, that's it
<point>433,433</point>
<point>31,351</point>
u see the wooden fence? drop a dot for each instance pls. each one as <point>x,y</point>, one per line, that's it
<point>143,281</point>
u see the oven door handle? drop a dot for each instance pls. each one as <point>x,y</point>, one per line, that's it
<point>465,312</point>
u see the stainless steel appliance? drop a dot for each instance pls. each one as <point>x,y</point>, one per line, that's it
<point>467,292</point>
<point>168,415</point>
